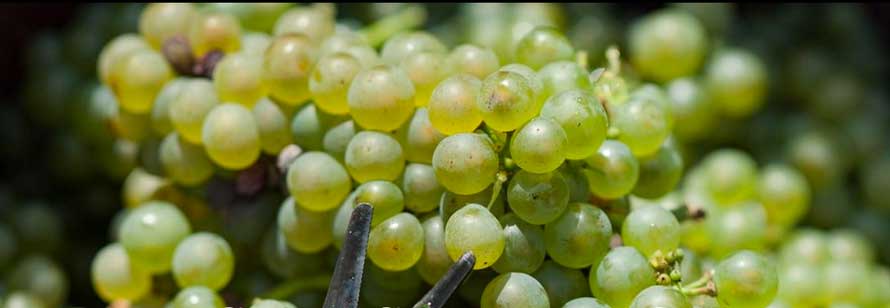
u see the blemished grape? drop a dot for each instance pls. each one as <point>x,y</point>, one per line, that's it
<point>230,136</point>
<point>581,117</point>
<point>116,277</point>
<point>474,60</point>
<point>189,109</point>
<point>474,228</point>
<point>585,302</point>
<point>612,171</point>
<point>579,237</point>
<point>667,36</point>
<point>183,162</point>
<point>419,138</point>
<point>287,64</point>
<point>539,146</point>
<point>452,105</point>
<point>197,297</point>
<point>160,110</point>
<point>203,259</point>
<point>561,283</point>
<point>305,230</point>
<point>523,248</point>
<point>317,181</point>
<point>313,22</point>
<point>465,163</point>
<point>403,45</point>
<point>381,98</point>
<point>659,173</point>
<point>784,193</point>
<point>150,234</point>
<point>543,45</point>
<point>273,125</point>
<point>561,76</point>
<point>385,197</point>
<point>620,276</point>
<point>136,79</point>
<point>514,290</point>
<point>731,176</point>
<point>651,228</point>
<point>211,31</point>
<point>746,279</point>
<point>238,78</point>
<point>537,198</point>
<point>643,123</point>
<point>120,47</point>
<point>506,100</point>
<point>396,244</point>
<point>330,80</point>
<point>373,155</point>
<point>737,82</point>
<point>660,296</point>
<point>337,138</point>
<point>434,262</point>
<point>421,188</point>
<point>426,70</point>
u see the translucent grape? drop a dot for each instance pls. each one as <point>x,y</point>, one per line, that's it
<point>330,80</point>
<point>255,43</point>
<point>137,77</point>
<point>514,290</point>
<point>150,234</point>
<point>452,106</point>
<point>317,181</point>
<point>419,138</point>
<point>746,279</point>
<point>819,155</point>
<point>506,101</point>
<point>396,244</point>
<point>161,21</point>
<point>524,246</point>
<point>612,171</point>
<point>306,231</point>
<point>539,146</point>
<point>731,176</point>
<point>642,123</point>
<point>309,125</point>
<point>214,31</point>
<point>231,137</point>
<point>287,65</point>
<point>238,78</point>
<point>426,70</point>
<point>313,22</point>
<point>434,261</point>
<point>465,163</point>
<point>140,187</point>
<point>118,48</point>
<point>667,36</point>
<point>660,296</point>
<point>183,162</point>
<point>577,183</point>
<point>189,109</point>
<point>374,156</point>
<point>160,110</point>
<point>474,228</point>
<point>693,107</point>
<point>562,284</point>
<point>401,46</point>
<point>273,125</point>
<point>581,117</point>
<point>737,81</point>
<point>585,302</point>
<point>579,237</point>
<point>422,189</point>
<point>784,193</point>
<point>203,259</point>
<point>116,277</point>
<point>342,39</point>
<point>620,276</point>
<point>802,283</point>
<point>474,60</point>
<point>561,76</point>
<point>651,228</point>
<point>543,45</point>
<point>385,197</point>
<point>659,173</point>
<point>807,246</point>
<point>381,98</point>
<point>336,140</point>
<point>534,81</point>
<point>849,246</point>
<point>197,297</point>
<point>537,198</point>
<point>451,202</point>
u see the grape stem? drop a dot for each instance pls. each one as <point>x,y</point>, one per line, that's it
<point>614,58</point>
<point>701,282</point>
<point>405,19</point>
<point>291,287</point>
<point>499,181</point>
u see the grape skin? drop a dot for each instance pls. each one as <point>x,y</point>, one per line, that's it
<point>203,259</point>
<point>396,244</point>
<point>150,234</point>
<point>422,189</point>
<point>116,277</point>
<point>465,163</point>
<point>238,78</point>
<point>434,261</point>
<point>539,146</point>
<point>189,109</point>
<point>660,296</point>
<point>452,106</point>
<point>581,117</point>
<point>231,137</point>
<point>650,229</point>
<point>381,98</point>
<point>537,198</point>
<point>506,100</point>
<point>514,290</point>
<point>745,279</point>
<point>620,276</point>
<point>523,246</point>
<point>374,156</point>
<point>561,283</point>
<point>317,181</point>
<point>612,171</point>
<point>197,297</point>
<point>386,198</point>
<point>211,31</point>
<point>306,231</point>
<point>579,237</point>
<point>473,228</point>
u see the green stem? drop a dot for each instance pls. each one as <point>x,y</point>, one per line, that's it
<point>496,189</point>
<point>701,282</point>
<point>614,58</point>
<point>381,30</point>
<point>291,287</point>
<point>706,290</point>
<point>499,139</point>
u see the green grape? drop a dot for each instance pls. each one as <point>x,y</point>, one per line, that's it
<point>287,65</point>
<point>784,193</point>
<point>203,259</point>
<point>659,173</point>
<point>807,246</point>
<point>381,98</point>
<point>150,234</point>
<point>846,281</point>
<point>849,246</point>
<point>523,246</point>
<point>474,60</point>
<point>534,81</point>
<point>330,80</point>
<point>341,219</point>
<point>651,228</point>
<point>818,155</point>
<point>116,277</point>
<point>41,277</point>
<point>140,187</point>
<point>643,123</point>
<point>660,296</point>
<point>255,43</point>
<point>740,227</point>
<point>667,36</point>
<point>451,202</point>
<point>579,237</point>
<point>211,31</point>
<point>189,109</point>
<point>577,183</point>
<point>562,284</point>
<point>183,162</point>
<point>746,279</point>
<point>731,176</point>
<point>309,125</point>
<point>336,140</point>
<point>401,46</point>
<point>514,290</point>
<point>692,106</point>
<point>197,297</point>
<point>422,189</point>
<point>620,276</point>
<point>270,303</point>
<point>160,110</point>
<point>539,146</point>
<point>434,262</point>
<point>465,163</point>
<point>341,40</point>
<point>21,299</point>
<point>426,70</point>
<point>802,283</point>
<point>136,79</point>
<point>612,171</point>
<point>585,302</point>
<point>880,290</point>
<point>474,228</point>
<point>314,22</point>
<point>452,105</point>
<point>396,244</point>
<point>583,119</point>
<point>118,48</point>
<point>385,197</point>
<point>506,100</point>
<point>561,76</point>
<point>419,138</point>
<point>305,230</point>
<point>659,96</point>
<point>374,156</point>
<point>537,198</point>
<point>130,126</point>
<point>161,21</point>
<point>238,78</point>
<point>231,137</point>
<point>691,267</point>
<point>737,82</point>
<point>284,262</point>
<point>273,126</point>
<point>317,181</point>
<point>543,45</point>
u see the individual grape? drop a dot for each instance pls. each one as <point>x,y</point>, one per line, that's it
<point>577,183</point>
<point>403,45</point>
<point>849,246</point>
<point>543,45</point>
<point>238,78</point>
<point>211,31</point>
<point>314,22</point>
<point>807,246</point>
<point>523,246</point>
<point>161,21</point>
<point>197,297</point>
<point>620,276</point>
<point>659,173</point>
<point>660,296</point>
<point>231,137</point>
<point>150,234</point>
<point>846,281</point>
<point>140,187</point>
<point>474,60</point>
<point>667,36</point>
<point>451,202</point>
<point>341,40</point>
<point>374,156</point>
<point>203,259</point>
<point>183,162</point>
<point>802,283</point>
<point>269,303</point>
<point>273,126</point>
<point>514,290</point>
<point>506,100</point>
<point>692,106</point>
<point>746,279</point>
<point>474,228</point>
<point>136,79</point>
<point>385,197</point>
<point>561,76</point>
<point>691,267</point>
<point>309,125</point>
<point>583,119</point>
<point>612,171</point>
<point>306,231</point>
<point>336,140</point>
<point>330,80</point>
<point>118,48</point>
<point>819,156</point>
<point>537,198</point>
<point>562,284</point>
<point>784,193</point>
<point>732,176</point>
<point>643,123</point>
<point>740,227</point>
<point>189,109</point>
<point>426,70</point>
<point>737,82</point>
<point>434,262</point>
<point>39,276</point>
<point>585,302</point>
<point>422,189</point>
<point>419,138</point>
<point>396,244</point>
<point>317,181</point>
<point>284,262</point>
<point>160,110</point>
<point>579,237</point>
<point>381,98</point>
<point>534,81</point>
<point>255,43</point>
<point>452,106</point>
<point>287,65</point>
<point>651,228</point>
<point>465,163</point>
<point>539,146</point>
<point>116,277</point>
